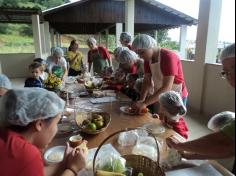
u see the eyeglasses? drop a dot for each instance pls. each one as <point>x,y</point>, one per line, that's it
<point>225,74</point>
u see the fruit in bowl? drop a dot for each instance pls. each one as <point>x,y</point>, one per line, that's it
<point>89,85</point>
<point>95,123</point>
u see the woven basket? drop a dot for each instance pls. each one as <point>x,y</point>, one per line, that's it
<point>140,164</point>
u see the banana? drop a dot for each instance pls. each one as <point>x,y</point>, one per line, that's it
<point>104,173</point>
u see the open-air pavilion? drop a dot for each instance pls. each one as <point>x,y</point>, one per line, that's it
<point>101,17</point>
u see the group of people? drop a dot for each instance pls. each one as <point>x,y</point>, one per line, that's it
<point>150,75</point>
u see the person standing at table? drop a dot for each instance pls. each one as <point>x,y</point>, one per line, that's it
<point>221,144</point>
<point>161,65</point>
<point>125,40</point>
<point>5,84</point>
<point>75,58</point>
<point>28,123</point>
<point>56,64</point>
<point>98,57</point>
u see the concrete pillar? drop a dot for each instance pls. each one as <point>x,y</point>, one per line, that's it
<point>57,39</point>
<point>60,40</point>
<point>156,35</point>
<point>37,36</point>
<point>119,30</point>
<point>42,35</point>
<point>129,16</point>
<point>47,38</point>
<point>205,45</point>
<point>183,41</point>
<point>52,36</point>
<point>107,37</point>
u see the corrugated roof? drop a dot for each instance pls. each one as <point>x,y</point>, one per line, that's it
<point>93,16</point>
<point>14,14</point>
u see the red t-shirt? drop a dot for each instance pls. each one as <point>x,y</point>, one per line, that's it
<point>180,127</point>
<point>102,51</point>
<point>18,157</point>
<point>170,66</point>
<point>133,69</point>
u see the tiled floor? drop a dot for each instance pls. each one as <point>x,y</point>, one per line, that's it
<point>197,124</point>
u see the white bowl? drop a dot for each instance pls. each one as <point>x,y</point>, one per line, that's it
<point>54,155</point>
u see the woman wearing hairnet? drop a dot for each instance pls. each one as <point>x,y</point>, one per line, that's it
<point>56,63</point>
<point>5,84</point>
<point>28,123</point>
<point>162,66</point>
<point>125,40</point>
<point>219,144</point>
<point>98,56</point>
<point>171,112</point>
<point>218,121</point>
<point>131,63</point>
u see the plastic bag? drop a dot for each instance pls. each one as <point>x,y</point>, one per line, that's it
<point>173,159</point>
<point>145,150</point>
<point>112,163</point>
<point>129,138</point>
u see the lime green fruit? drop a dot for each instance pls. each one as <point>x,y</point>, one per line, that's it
<point>140,174</point>
<point>99,124</point>
<point>92,127</point>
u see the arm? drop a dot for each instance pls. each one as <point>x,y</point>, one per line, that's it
<point>72,61</point>
<point>147,83</point>
<point>65,72</point>
<point>167,85</point>
<point>212,146</point>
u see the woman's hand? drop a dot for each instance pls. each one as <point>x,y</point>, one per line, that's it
<point>76,160</point>
<point>174,143</point>
<point>139,106</point>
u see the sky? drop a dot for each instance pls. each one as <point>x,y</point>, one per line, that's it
<point>227,26</point>
<point>191,8</point>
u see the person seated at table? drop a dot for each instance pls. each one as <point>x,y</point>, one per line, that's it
<point>28,123</point>
<point>125,40</point>
<point>119,80</point>
<point>171,112</point>
<point>217,145</point>
<point>56,63</point>
<point>44,75</point>
<point>131,63</point>
<point>218,121</point>
<point>5,84</point>
<point>129,89</point>
<point>35,69</point>
<point>98,56</point>
<point>75,58</point>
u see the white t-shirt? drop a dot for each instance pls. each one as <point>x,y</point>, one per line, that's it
<point>51,63</point>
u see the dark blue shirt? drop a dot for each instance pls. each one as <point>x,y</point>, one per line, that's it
<point>33,82</point>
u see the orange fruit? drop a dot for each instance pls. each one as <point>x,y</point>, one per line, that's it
<point>144,111</point>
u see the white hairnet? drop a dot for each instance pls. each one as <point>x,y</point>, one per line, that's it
<point>125,37</point>
<point>127,56</point>
<point>22,106</point>
<point>118,50</point>
<point>58,51</point>
<point>91,40</point>
<point>5,82</point>
<point>173,103</point>
<point>228,52</point>
<point>218,121</point>
<point>144,41</point>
